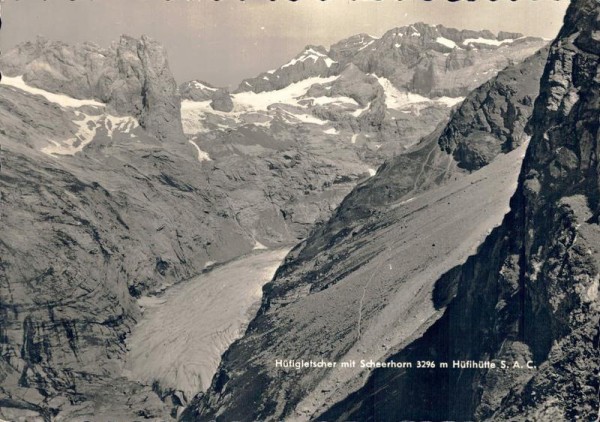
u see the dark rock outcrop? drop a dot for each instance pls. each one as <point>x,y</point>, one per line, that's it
<point>492,119</point>
<point>221,101</point>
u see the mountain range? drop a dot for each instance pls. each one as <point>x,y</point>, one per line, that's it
<point>117,184</point>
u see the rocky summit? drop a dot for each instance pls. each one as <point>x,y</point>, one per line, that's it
<point>132,77</point>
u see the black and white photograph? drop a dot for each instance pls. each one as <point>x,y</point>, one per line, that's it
<point>299,210</point>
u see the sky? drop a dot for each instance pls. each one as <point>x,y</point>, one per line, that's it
<point>224,41</point>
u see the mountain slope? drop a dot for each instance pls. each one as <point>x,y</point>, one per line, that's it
<point>340,292</point>
<point>531,292</point>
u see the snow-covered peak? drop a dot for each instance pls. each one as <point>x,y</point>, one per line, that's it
<point>309,53</point>
<point>200,85</point>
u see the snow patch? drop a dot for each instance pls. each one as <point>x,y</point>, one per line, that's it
<point>334,100</point>
<point>202,155</point>
<point>398,100</point>
<point>415,33</point>
<point>446,42</point>
<point>60,99</point>
<point>258,246</point>
<point>252,101</point>
<point>200,85</point>
<point>306,118</point>
<point>359,111</point>
<point>366,45</point>
<point>331,131</point>
<point>87,127</point>
<point>486,41</point>
<point>123,124</point>
<point>450,101</point>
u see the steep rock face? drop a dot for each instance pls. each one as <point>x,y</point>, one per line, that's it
<point>531,292</point>
<point>355,84</point>
<point>64,291</point>
<point>492,119</point>
<point>132,76</point>
<point>375,213</point>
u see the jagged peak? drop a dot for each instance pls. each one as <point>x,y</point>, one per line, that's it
<point>317,49</point>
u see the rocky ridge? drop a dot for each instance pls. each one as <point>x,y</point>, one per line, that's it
<point>420,58</point>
